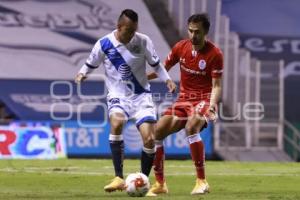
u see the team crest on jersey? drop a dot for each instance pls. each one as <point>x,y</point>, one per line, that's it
<point>135,49</point>
<point>202,64</point>
<point>182,60</point>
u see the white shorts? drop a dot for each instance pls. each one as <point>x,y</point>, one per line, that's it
<point>138,107</point>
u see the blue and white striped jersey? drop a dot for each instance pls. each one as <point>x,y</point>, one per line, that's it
<point>125,65</point>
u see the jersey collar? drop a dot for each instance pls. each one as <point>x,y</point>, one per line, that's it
<point>114,40</point>
<point>117,43</point>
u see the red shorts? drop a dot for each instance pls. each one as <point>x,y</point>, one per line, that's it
<point>184,109</point>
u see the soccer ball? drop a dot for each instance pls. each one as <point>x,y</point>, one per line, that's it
<point>137,184</point>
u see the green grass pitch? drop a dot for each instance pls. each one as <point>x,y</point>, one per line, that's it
<point>85,179</point>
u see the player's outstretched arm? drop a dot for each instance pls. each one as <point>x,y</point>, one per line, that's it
<point>95,58</point>
<point>79,78</point>
<point>163,75</point>
<point>153,75</point>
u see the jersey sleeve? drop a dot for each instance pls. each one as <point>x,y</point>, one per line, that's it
<point>173,56</point>
<point>150,53</point>
<point>217,66</point>
<point>95,58</point>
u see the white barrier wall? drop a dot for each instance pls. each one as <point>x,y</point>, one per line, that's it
<point>52,39</point>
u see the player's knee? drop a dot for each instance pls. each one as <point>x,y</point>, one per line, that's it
<point>159,133</point>
<point>194,127</point>
<point>191,129</point>
<point>149,141</point>
<point>116,126</point>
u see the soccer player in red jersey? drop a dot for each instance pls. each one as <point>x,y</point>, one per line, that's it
<point>201,66</point>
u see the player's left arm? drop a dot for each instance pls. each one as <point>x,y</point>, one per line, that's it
<point>215,97</point>
<point>216,92</point>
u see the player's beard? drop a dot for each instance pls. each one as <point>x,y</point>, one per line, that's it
<point>196,41</point>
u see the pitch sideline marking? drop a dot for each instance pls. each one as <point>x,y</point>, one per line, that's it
<point>9,170</point>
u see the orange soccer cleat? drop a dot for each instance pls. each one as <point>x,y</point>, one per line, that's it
<point>201,187</point>
<point>116,184</point>
<point>157,188</point>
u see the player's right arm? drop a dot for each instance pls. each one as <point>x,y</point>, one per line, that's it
<point>94,60</point>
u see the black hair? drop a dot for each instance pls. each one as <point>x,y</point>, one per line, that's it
<point>203,17</point>
<point>131,14</point>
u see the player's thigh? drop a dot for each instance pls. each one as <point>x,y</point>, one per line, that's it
<point>195,124</point>
<point>118,113</point>
<point>167,125</point>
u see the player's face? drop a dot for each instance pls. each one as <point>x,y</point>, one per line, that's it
<point>196,33</point>
<point>126,30</point>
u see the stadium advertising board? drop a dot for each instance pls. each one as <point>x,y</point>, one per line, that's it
<point>92,140</point>
<point>53,100</point>
<point>28,140</point>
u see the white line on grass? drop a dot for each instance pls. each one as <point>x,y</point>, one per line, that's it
<point>53,171</point>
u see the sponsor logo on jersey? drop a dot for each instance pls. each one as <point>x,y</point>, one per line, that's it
<point>192,71</point>
<point>155,57</point>
<point>91,57</point>
<point>125,72</point>
<point>112,53</point>
<point>202,64</point>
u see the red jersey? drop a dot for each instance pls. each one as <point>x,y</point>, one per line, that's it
<point>197,67</point>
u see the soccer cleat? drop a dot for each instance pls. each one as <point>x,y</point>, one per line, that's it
<point>116,184</point>
<point>150,194</point>
<point>201,187</point>
<point>157,188</point>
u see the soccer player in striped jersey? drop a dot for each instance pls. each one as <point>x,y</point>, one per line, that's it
<point>124,53</point>
<point>201,66</point>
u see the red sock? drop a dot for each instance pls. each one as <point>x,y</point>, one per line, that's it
<point>198,156</point>
<point>158,164</point>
